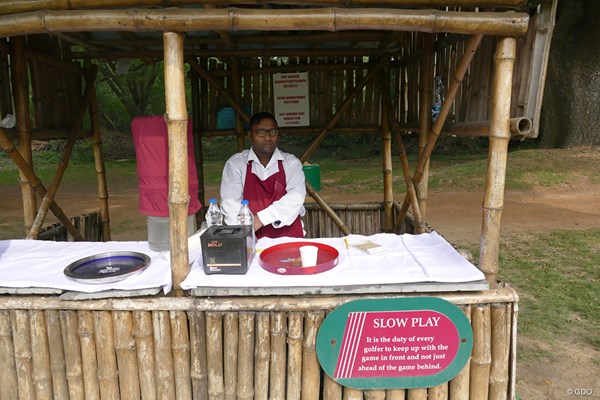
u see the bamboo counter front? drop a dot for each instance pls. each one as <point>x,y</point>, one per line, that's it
<point>260,347</point>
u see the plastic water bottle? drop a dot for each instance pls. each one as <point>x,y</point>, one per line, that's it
<point>439,93</point>
<point>214,216</point>
<point>245,216</point>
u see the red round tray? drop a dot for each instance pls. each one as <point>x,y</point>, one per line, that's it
<point>284,259</point>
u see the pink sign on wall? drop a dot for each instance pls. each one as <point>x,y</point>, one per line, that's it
<point>396,344</point>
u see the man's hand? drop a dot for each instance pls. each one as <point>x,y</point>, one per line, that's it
<point>257,223</point>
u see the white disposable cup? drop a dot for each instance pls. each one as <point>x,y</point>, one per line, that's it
<point>308,255</point>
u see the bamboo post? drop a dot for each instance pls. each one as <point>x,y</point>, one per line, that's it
<point>20,84</point>
<point>64,160</point>
<point>481,356</point>
<point>129,382</point>
<point>311,369</point>
<point>72,354</point>
<point>377,394</point>
<point>176,117</point>
<point>198,355</point>
<point>42,377</point>
<point>386,156</point>
<point>262,357</point>
<point>35,182</point>
<point>439,392</point>
<point>417,394</point>
<point>493,202</point>
<point>294,359</point>
<point>499,370</point>
<point>8,374</point>
<point>144,344</point>
<point>237,95</point>
<point>88,355</point>
<point>395,394</point>
<point>163,353</point>
<point>459,385</point>
<point>21,333</point>
<point>245,384</point>
<point>513,352</point>
<point>214,355</point>
<point>425,102</point>
<point>230,353</point>
<point>278,356</point>
<point>108,378</point>
<point>197,119</point>
<point>331,389</point>
<point>410,187</point>
<point>181,354</point>
<point>352,394</point>
<point>461,70</point>
<point>100,166</point>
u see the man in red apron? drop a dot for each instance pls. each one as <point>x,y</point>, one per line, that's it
<point>272,181</point>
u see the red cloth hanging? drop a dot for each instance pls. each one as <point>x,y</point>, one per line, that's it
<point>150,137</point>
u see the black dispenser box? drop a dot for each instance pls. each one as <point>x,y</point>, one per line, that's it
<point>227,249</point>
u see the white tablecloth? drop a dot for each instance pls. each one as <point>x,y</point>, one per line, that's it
<point>40,264</point>
<point>409,259</point>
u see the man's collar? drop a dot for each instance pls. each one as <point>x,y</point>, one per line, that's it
<point>275,157</point>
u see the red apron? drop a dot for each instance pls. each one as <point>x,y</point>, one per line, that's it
<point>261,194</point>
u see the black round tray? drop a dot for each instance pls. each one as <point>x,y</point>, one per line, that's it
<point>107,267</point>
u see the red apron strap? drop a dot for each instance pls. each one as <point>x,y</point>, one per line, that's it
<point>261,194</point>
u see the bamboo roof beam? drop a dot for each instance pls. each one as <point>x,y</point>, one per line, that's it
<point>520,127</point>
<point>327,19</point>
<point>20,6</point>
<point>80,42</point>
<point>262,38</point>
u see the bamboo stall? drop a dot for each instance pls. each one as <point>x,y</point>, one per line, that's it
<point>370,68</point>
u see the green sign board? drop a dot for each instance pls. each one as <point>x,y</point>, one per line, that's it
<point>394,343</point>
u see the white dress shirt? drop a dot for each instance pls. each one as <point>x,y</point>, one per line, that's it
<point>282,212</point>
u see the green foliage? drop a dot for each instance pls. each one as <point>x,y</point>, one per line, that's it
<point>126,91</point>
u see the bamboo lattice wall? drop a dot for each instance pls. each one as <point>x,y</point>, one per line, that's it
<point>331,79</point>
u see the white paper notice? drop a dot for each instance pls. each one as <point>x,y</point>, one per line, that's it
<point>291,99</point>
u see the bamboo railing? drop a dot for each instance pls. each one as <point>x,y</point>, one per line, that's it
<point>217,347</point>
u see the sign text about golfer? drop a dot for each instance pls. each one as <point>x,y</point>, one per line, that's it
<point>388,344</point>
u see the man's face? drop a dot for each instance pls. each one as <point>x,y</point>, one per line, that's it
<point>264,146</point>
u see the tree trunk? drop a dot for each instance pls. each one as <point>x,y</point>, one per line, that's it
<point>570,112</point>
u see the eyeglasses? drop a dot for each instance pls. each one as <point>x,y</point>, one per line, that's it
<point>264,132</point>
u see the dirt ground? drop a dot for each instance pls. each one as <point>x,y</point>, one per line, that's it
<point>455,215</point>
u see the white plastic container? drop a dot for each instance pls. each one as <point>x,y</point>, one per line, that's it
<point>159,238</point>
